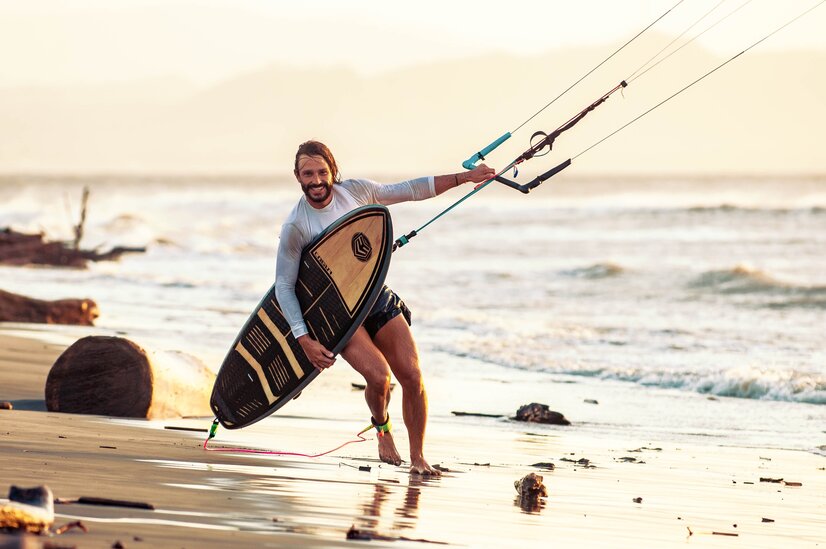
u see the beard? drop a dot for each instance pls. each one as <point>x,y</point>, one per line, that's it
<point>328,189</point>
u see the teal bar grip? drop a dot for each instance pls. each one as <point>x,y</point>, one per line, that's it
<point>470,163</point>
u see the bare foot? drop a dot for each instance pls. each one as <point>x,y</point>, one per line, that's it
<point>387,450</point>
<point>421,467</point>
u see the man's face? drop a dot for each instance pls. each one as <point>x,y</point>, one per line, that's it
<point>316,180</point>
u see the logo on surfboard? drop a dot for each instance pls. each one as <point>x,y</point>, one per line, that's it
<point>361,247</point>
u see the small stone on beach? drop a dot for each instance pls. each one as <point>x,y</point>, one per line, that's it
<point>530,486</point>
<point>28,510</point>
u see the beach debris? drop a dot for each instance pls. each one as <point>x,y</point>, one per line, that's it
<point>365,535</point>
<point>764,519</point>
<point>545,465</point>
<point>20,249</point>
<point>440,468</point>
<point>75,524</point>
<point>113,376</point>
<point>28,510</point>
<point>192,429</point>
<point>362,386</point>
<point>650,449</point>
<point>713,533</point>
<point>87,500</point>
<point>366,468</point>
<point>118,545</point>
<point>540,413</point>
<point>590,401</point>
<point>585,462</point>
<point>475,414</point>
<point>774,480</point>
<point>791,483</point>
<point>84,201</point>
<point>21,308</point>
<point>637,500</point>
<point>530,486</point>
<point>6,405</point>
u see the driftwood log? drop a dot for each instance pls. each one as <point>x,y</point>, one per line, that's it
<point>113,376</point>
<point>33,249</point>
<point>20,308</point>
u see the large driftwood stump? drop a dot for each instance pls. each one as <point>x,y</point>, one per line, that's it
<point>20,308</point>
<point>112,376</point>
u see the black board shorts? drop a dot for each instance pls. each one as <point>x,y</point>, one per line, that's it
<point>387,307</point>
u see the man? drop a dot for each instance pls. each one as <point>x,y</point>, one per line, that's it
<point>384,343</point>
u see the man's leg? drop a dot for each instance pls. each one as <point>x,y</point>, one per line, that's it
<point>395,341</point>
<point>361,353</point>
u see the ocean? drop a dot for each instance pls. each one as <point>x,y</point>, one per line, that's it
<point>661,307</point>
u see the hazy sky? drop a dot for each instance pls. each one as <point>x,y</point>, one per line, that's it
<point>203,41</point>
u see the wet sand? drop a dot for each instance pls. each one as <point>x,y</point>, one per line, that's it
<point>691,494</point>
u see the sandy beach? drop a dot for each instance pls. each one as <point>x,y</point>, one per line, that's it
<point>603,492</point>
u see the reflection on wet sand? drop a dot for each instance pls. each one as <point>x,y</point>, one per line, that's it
<point>528,504</point>
<point>406,513</point>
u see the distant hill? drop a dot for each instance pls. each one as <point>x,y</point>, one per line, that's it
<point>763,113</point>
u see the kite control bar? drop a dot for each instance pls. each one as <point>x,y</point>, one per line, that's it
<point>527,187</point>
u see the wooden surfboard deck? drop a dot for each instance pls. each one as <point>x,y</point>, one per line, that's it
<point>341,274</point>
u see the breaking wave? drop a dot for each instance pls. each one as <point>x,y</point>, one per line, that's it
<point>749,382</point>
<point>746,280</point>
<point>596,271</point>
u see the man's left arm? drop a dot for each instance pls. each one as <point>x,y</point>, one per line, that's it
<point>421,188</point>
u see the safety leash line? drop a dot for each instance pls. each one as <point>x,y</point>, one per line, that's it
<point>230,449</point>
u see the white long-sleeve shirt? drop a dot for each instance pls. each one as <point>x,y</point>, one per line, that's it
<point>306,222</point>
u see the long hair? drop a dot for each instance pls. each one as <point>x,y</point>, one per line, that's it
<point>317,148</point>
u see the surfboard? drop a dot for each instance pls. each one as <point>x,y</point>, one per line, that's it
<point>341,274</point>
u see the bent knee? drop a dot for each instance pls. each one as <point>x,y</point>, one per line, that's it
<point>379,379</point>
<point>410,377</point>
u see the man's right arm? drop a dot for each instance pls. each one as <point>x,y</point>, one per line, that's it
<point>286,275</point>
